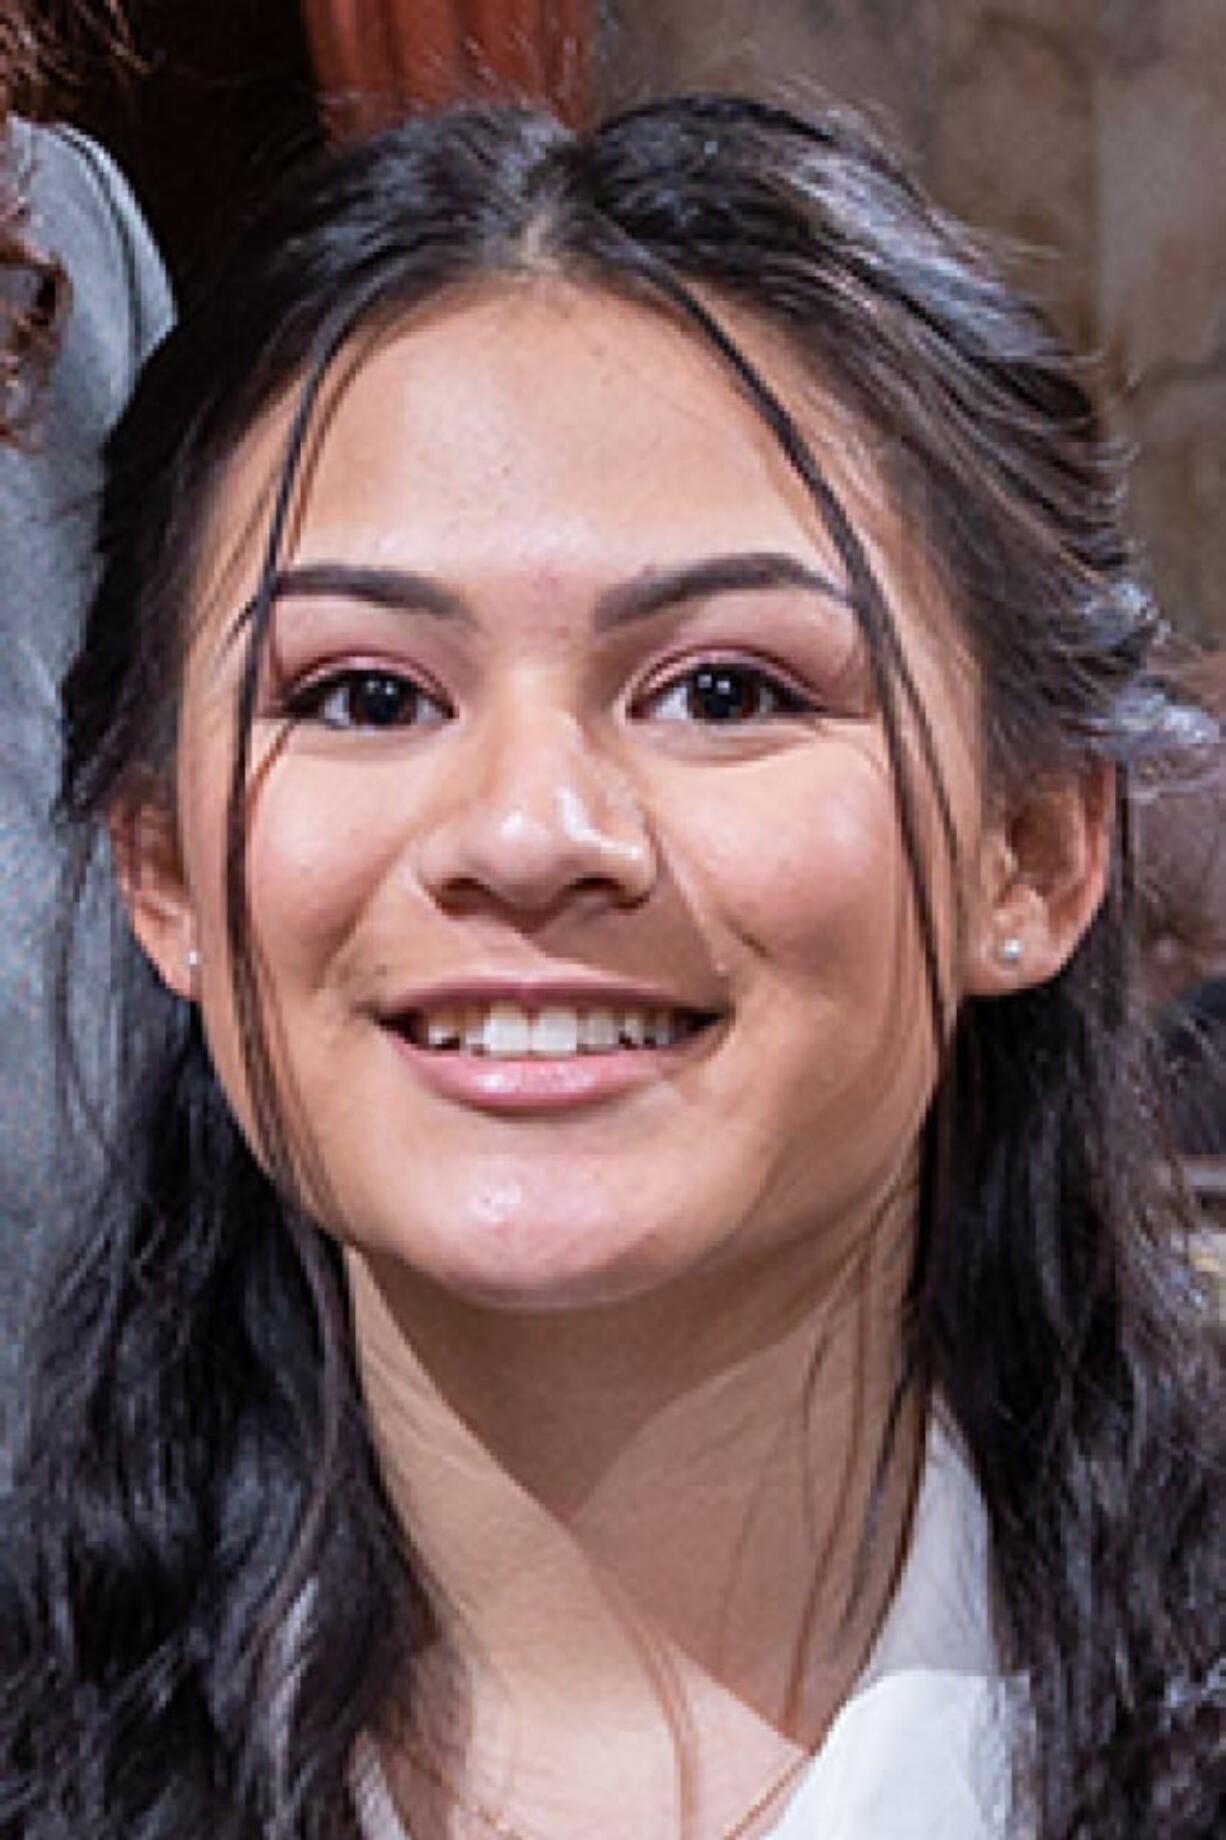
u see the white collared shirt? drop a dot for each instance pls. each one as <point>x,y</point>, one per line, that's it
<point>918,1751</point>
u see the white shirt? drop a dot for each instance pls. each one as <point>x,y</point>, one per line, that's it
<point>918,1751</point>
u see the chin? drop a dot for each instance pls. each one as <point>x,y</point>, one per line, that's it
<point>564,1276</point>
<point>543,1262</point>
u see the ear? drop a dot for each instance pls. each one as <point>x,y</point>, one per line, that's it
<point>148,866</point>
<point>1043,866</point>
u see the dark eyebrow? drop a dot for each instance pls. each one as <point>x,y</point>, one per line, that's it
<point>658,590</point>
<point>654,591</point>
<point>399,588</point>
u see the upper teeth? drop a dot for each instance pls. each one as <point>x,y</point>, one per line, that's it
<point>506,1029</point>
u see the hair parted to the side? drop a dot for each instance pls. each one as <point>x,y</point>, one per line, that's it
<point>205,1596</point>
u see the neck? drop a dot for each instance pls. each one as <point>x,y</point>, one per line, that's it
<point>647,1517</point>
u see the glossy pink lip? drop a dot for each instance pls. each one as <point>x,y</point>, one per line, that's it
<point>510,1084</point>
<point>518,1084</point>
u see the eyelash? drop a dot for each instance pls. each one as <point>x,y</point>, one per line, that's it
<point>310,701</point>
<point>708,677</point>
<point>715,676</point>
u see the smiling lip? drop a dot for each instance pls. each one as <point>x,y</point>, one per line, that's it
<point>517,1047</point>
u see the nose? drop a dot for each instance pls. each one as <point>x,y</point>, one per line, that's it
<point>541,815</point>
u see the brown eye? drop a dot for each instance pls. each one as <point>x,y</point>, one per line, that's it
<point>366,700</point>
<point>722,694</point>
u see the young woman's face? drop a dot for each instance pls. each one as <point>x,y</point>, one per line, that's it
<point>587,945</point>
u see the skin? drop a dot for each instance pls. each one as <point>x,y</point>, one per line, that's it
<point>636,1352</point>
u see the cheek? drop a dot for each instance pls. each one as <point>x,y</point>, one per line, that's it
<point>318,848</point>
<point>804,868</point>
<point>315,850</point>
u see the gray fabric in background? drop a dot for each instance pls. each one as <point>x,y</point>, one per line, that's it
<point>80,209</point>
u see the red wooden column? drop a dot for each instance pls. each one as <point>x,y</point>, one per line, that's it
<point>375,59</point>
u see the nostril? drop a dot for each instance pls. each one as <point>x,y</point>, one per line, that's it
<point>533,853</point>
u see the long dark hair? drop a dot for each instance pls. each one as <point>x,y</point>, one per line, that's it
<point>207,1596</point>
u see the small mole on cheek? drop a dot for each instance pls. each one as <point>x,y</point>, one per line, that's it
<point>546,579</point>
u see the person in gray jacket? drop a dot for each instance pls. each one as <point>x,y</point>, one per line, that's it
<point>81,282</point>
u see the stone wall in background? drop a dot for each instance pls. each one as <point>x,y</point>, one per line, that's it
<point>1089,133</point>
<point>1160,121</point>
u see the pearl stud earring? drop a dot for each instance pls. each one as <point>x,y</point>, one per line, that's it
<point>1010,951</point>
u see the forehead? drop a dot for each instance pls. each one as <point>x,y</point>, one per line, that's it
<point>560,434</point>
